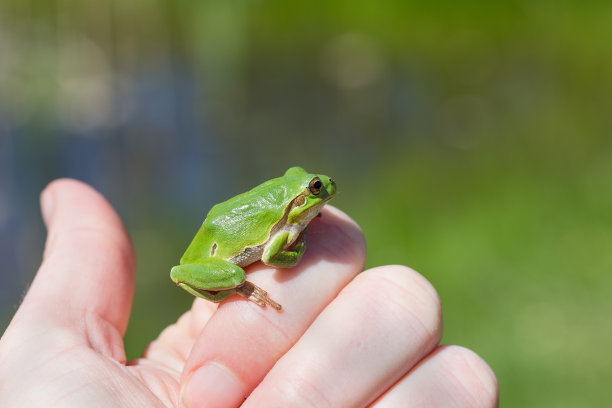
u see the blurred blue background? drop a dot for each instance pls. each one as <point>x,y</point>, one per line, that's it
<point>471,141</point>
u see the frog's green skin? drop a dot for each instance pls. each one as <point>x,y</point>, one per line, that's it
<point>267,223</point>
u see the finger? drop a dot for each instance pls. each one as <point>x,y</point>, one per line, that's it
<point>451,376</point>
<point>175,342</point>
<point>242,341</point>
<point>86,279</point>
<point>378,327</point>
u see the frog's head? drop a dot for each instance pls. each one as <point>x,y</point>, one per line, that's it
<point>313,191</point>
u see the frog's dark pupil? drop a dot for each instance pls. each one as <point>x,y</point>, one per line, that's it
<point>317,184</point>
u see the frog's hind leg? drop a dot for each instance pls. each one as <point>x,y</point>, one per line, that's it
<point>211,295</point>
<point>213,279</point>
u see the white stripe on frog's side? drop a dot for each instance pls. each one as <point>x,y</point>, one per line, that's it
<point>253,254</point>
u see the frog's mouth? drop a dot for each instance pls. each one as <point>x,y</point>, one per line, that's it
<point>331,195</point>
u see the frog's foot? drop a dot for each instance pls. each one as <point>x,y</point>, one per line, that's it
<point>257,295</point>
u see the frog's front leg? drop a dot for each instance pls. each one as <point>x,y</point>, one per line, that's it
<point>215,279</point>
<point>274,255</point>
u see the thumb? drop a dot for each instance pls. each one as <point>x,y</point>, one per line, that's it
<point>86,279</point>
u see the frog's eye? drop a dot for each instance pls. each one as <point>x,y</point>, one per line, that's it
<point>315,186</point>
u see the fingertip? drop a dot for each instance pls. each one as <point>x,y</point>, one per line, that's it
<point>65,183</point>
<point>411,279</point>
<point>72,204</point>
<point>60,188</point>
<point>350,226</point>
<point>340,233</point>
<point>47,201</point>
<point>407,290</point>
<point>449,376</point>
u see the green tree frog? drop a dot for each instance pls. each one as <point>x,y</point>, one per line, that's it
<point>267,223</point>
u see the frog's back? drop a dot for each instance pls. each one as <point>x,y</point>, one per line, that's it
<point>240,222</point>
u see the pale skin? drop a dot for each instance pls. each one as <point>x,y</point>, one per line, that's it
<point>345,337</point>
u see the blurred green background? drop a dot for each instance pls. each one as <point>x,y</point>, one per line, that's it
<point>470,140</point>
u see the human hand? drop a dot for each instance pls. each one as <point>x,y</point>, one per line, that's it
<point>344,339</point>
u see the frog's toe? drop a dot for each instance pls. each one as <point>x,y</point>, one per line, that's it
<point>257,295</point>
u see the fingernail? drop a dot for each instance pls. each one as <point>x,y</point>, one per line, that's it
<point>47,204</point>
<point>212,385</point>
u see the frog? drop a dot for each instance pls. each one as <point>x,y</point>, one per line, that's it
<point>267,223</point>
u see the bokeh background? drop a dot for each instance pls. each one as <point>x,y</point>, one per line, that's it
<point>471,140</point>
